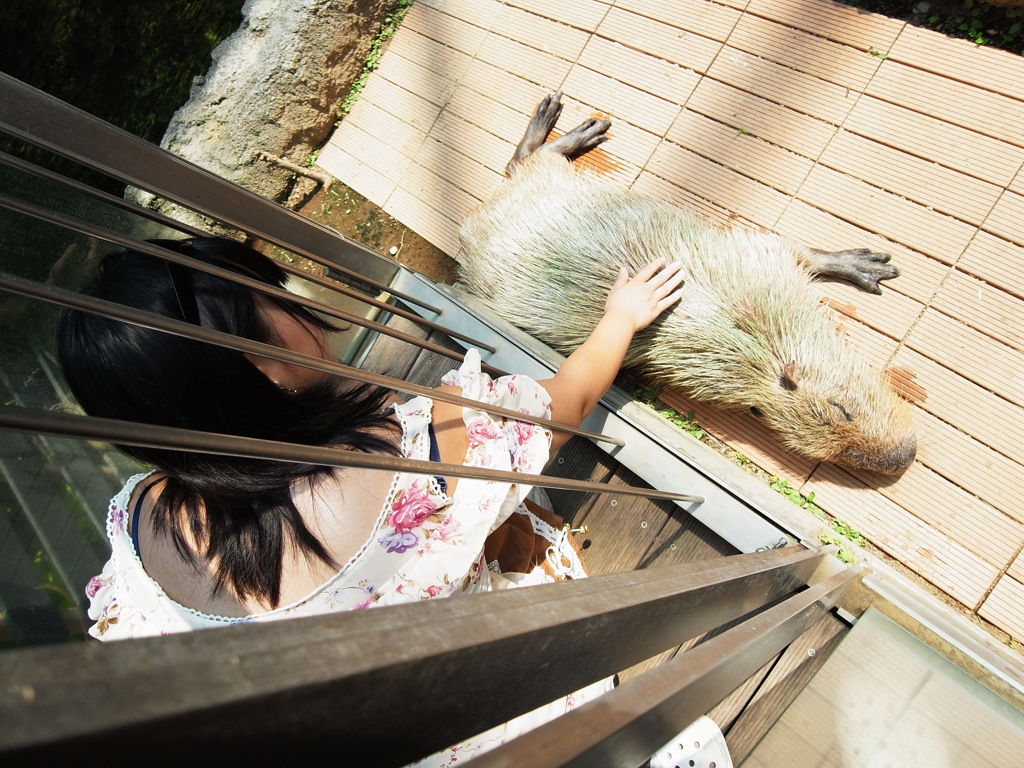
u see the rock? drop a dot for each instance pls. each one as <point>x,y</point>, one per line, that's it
<point>274,86</point>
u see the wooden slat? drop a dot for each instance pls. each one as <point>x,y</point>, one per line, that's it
<point>743,433</point>
<point>663,41</point>
<point>655,187</point>
<point>644,72</point>
<point>945,190</point>
<point>933,139</point>
<point>473,159</point>
<point>990,114</point>
<point>1004,607</point>
<point>975,410</point>
<point>989,68</point>
<point>529,63</point>
<point>979,470</point>
<point>423,66</point>
<point>443,28</point>
<point>833,21</point>
<point>1016,569</point>
<point>622,100</point>
<point>744,153</point>
<point>504,87</point>
<point>920,275</point>
<point>798,663</point>
<point>760,117</point>
<point>538,32</point>
<point>584,14</point>
<point>913,225</point>
<point>834,62</point>
<point>971,354</point>
<point>944,562</point>
<point>996,261</point>
<point>478,12</point>
<point>982,306</point>
<point>798,90</point>
<point>981,528</point>
<point>1007,218</point>
<point>740,194</point>
<point>710,19</point>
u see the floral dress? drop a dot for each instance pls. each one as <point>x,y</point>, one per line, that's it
<point>425,543</point>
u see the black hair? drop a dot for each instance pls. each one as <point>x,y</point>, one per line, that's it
<point>240,509</point>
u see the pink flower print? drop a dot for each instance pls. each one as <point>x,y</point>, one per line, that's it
<point>433,590</point>
<point>93,587</point>
<point>511,384</point>
<point>480,430</point>
<point>412,507</point>
<point>446,530</point>
<point>363,604</point>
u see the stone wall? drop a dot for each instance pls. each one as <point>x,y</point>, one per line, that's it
<point>274,86</point>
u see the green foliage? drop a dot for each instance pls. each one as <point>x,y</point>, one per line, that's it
<point>131,64</point>
<point>804,502</point>
<point>387,30</point>
<point>687,422</point>
<point>979,22</point>
<point>845,554</point>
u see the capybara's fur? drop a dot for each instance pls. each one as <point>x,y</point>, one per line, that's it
<point>750,332</point>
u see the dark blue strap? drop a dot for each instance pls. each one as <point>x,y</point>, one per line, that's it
<point>135,521</point>
<point>435,455</point>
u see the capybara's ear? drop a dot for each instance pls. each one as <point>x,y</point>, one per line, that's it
<point>903,381</point>
<point>790,378</point>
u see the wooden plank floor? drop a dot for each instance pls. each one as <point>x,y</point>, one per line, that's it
<point>835,127</point>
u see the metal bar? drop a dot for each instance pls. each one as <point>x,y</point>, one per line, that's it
<point>153,436</point>
<point>627,725</point>
<point>65,298</point>
<point>366,681</point>
<point>45,121</point>
<point>167,221</point>
<point>94,230</point>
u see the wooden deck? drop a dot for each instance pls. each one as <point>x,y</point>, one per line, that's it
<point>835,127</point>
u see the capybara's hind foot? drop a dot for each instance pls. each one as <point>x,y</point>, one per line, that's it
<point>580,139</point>
<point>861,266</point>
<point>540,126</point>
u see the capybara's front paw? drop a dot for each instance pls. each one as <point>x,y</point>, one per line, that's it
<point>868,268</point>
<point>861,266</point>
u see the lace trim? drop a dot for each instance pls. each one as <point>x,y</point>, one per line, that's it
<point>563,560</point>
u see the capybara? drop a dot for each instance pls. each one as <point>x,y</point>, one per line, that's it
<point>750,332</point>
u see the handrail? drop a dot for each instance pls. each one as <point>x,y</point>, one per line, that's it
<point>620,727</point>
<point>151,436</point>
<point>167,221</point>
<point>37,117</point>
<point>109,235</point>
<point>65,298</point>
<point>365,681</point>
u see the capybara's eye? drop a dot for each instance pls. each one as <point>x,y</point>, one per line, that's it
<point>756,411</point>
<point>843,410</point>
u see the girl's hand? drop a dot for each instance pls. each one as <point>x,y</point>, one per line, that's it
<point>639,300</point>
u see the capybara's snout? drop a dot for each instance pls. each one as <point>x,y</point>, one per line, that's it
<point>892,458</point>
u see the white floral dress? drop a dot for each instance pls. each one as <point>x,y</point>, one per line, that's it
<point>425,544</point>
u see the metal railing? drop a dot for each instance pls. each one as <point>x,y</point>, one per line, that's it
<point>347,679</point>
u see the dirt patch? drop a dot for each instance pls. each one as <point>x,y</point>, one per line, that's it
<point>351,214</point>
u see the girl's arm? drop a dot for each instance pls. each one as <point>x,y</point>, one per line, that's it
<point>632,304</point>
